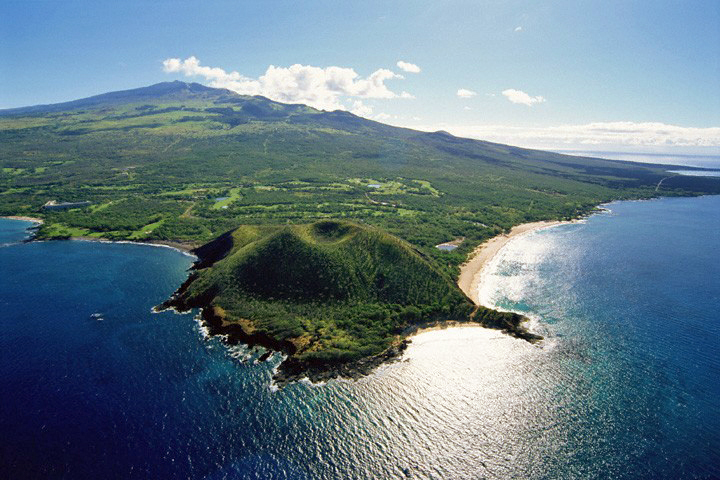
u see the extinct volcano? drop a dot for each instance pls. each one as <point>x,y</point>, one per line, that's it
<point>336,297</point>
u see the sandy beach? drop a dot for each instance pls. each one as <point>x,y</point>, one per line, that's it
<point>469,279</point>
<point>27,219</point>
<point>185,248</point>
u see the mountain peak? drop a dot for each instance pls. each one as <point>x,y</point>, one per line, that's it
<point>174,90</point>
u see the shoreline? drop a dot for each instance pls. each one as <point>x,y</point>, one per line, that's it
<point>469,278</point>
<point>184,248</point>
<point>435,326</point>
<point>38,221</point>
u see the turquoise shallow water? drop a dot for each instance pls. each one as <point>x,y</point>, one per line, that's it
<point>95,385</point>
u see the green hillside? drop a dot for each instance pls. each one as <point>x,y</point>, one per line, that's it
<point>184,162</point>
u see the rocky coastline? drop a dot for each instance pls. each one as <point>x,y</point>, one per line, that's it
<point>293,369</point>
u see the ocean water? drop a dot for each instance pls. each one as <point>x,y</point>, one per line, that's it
<point>711,160</point>
<point>626,384</point>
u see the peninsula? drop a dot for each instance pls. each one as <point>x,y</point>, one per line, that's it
<point>337,297</point>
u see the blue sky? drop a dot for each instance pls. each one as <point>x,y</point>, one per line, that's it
<point>630,75</point>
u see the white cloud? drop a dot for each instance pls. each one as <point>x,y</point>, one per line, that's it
<point>323,88</point>
<point>518,29</point>
<point>465,93</point>
<point>466,108</point>
<point>360,109</point>
<point>591,136</point>
<point>518,96</point>
<point>408,67</point>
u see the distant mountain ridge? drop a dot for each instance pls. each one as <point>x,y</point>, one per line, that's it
<point>177,91</point>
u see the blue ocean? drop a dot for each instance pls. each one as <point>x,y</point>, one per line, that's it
<point>626,384</point>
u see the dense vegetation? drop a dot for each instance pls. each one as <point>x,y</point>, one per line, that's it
<point>184,162</point>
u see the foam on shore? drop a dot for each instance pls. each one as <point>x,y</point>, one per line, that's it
<point>471,273</point>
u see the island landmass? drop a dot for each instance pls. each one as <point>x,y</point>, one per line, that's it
<point>387,217</point>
